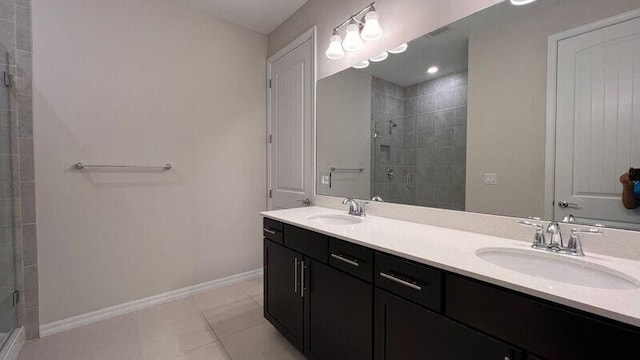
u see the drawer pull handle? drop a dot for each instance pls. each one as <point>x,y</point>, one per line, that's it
<point>295,275</point>
<point>343,259</point>
<point>269,231</point>
<point>400,281</point>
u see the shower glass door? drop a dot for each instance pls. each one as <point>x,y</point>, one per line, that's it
<point>8,306</point>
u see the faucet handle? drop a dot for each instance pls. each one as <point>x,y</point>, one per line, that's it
<point>574,247</point>
<point>539,239</point>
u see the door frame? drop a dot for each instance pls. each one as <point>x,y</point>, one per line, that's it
<point>310,34</point>
<point>552,88</point>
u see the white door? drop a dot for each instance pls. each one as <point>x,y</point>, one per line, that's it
<point>597,123</point>
<point>290,127</point>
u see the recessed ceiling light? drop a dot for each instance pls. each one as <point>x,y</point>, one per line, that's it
<point>433,70</point>
<point>361,65</point>
<point>380,57</point>
<point>399,49</point>
<point>521,2</point>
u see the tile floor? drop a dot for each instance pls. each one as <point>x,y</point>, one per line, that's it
<point>224,323</point>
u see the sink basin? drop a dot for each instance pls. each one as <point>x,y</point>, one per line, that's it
<point>335,219</point>
<point>558,268</point>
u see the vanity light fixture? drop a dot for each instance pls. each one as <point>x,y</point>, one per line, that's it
<point>371,30</point>
<point>352,40</point>
<point>399,49</point>
<point>363,25</point>
<point>380,57</point>
<point>521,2</point>
<point>433,70</point>
<point>335,51</point>
<point>361,65</point>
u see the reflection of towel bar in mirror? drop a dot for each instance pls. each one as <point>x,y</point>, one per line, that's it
<point>81,166</point>
<point>359,170</point>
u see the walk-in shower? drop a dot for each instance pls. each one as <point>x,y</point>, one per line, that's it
<point>8,247</point>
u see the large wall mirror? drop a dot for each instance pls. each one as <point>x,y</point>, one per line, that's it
<point>459,120</point>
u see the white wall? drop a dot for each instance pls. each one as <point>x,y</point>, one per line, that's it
<point>507,101</point>
<point>144,82</point>
<point>344,133</point>
<point>401,21</point>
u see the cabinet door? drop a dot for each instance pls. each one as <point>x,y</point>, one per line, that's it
<point>283,301</point>
<point>338,315</point>
<point>406,331</point>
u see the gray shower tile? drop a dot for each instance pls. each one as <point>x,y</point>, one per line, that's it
<point>443,205</point>
<point>425,139</point>
<point>427,104</point>
<point>429,87</point>
<point>412,91</point>
<point>445,83</point>
<point>443,193</point>
<point>444,100</point>
<point>426,121</point>
<point>24,79</point>
<point>30,250</point>
<point>32,322</point>
<point>458,174</point>
<point>378,102</point>
<point>459,155</point>
<point>424,193</point>
<point>425,157</point>
<point>24,3</point>
<point>8,189</point>
<point>460,135</point>
<point>459,194</point>
<point>444,136</point>
<point>443,175</point>
<point>409,157</point>
<point>410,123</point>
<point>444,155</point>
<point>425,174</point>
<point>460,116</point>
<point>30,286</point>
<point>26,168</point>
<point>8,133</point>
<point>26,146</point>
<point>23,28</point>
<point>25,117</point>
<point>6,10</point>
<point>28,202</point>
<point>460,96</point>
<point>459,79</point>
<point>8,41</point>
<point>410,140</point>
<point>411,106</point>
<point>444,119</point>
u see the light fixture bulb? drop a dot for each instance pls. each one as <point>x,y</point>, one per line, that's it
<point>433,70</point>
<point>372,30</point>
<point>334,51</point>
<point>380,57</point>
<point>352,40</point>
<point>521,2</point>
<point>361,65</point>
<point>399,49</point>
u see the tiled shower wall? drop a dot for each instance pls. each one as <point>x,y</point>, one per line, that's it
<point>15,36</point>
<point>427,148</point>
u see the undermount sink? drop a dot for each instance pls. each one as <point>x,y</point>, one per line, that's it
<point>335,219</point>
<point>558,268</point>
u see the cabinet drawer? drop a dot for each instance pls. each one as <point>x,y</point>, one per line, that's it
<point>548,330</point>
<point>415,282</point>
<point>351,258</point>
<point>273,230</point>
<point>307,242</point>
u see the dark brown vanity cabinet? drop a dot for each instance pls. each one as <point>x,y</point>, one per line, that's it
<point>323,311</point>
<point>338,300</point>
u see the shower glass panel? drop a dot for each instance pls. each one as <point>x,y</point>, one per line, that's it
<point>8,299</point>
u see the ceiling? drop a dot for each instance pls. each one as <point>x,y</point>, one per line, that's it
<point>448,50</point>
<point>262,16</point>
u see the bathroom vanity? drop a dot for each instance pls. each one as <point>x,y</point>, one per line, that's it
<point>344,287</point>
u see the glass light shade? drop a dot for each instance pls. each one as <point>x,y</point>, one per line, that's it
<point>399,49</point>
<point>433,70</point>
<point>352,41</point>
<point>334,51</point>
<point>361,65</point>
<point>380,57</point>
<point>521,2</point>
<point>372,30</point>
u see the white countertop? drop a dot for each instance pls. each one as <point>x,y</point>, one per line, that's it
<point>454,251</point>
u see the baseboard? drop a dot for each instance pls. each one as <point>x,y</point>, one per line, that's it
<point>13,346</point>
<point>125,308</point>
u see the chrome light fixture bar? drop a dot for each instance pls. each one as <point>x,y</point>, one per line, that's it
<point>359,28</point>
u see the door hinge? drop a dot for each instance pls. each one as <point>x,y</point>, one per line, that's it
<point>270,139</point>
<point>269,84</point>
<point>270,193</point>
<point>15,298</point>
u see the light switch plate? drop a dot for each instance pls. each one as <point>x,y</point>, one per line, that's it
<point>490,179</point>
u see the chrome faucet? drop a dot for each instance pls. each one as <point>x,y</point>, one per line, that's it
<point>356,207</point>
<point>574,246</point>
